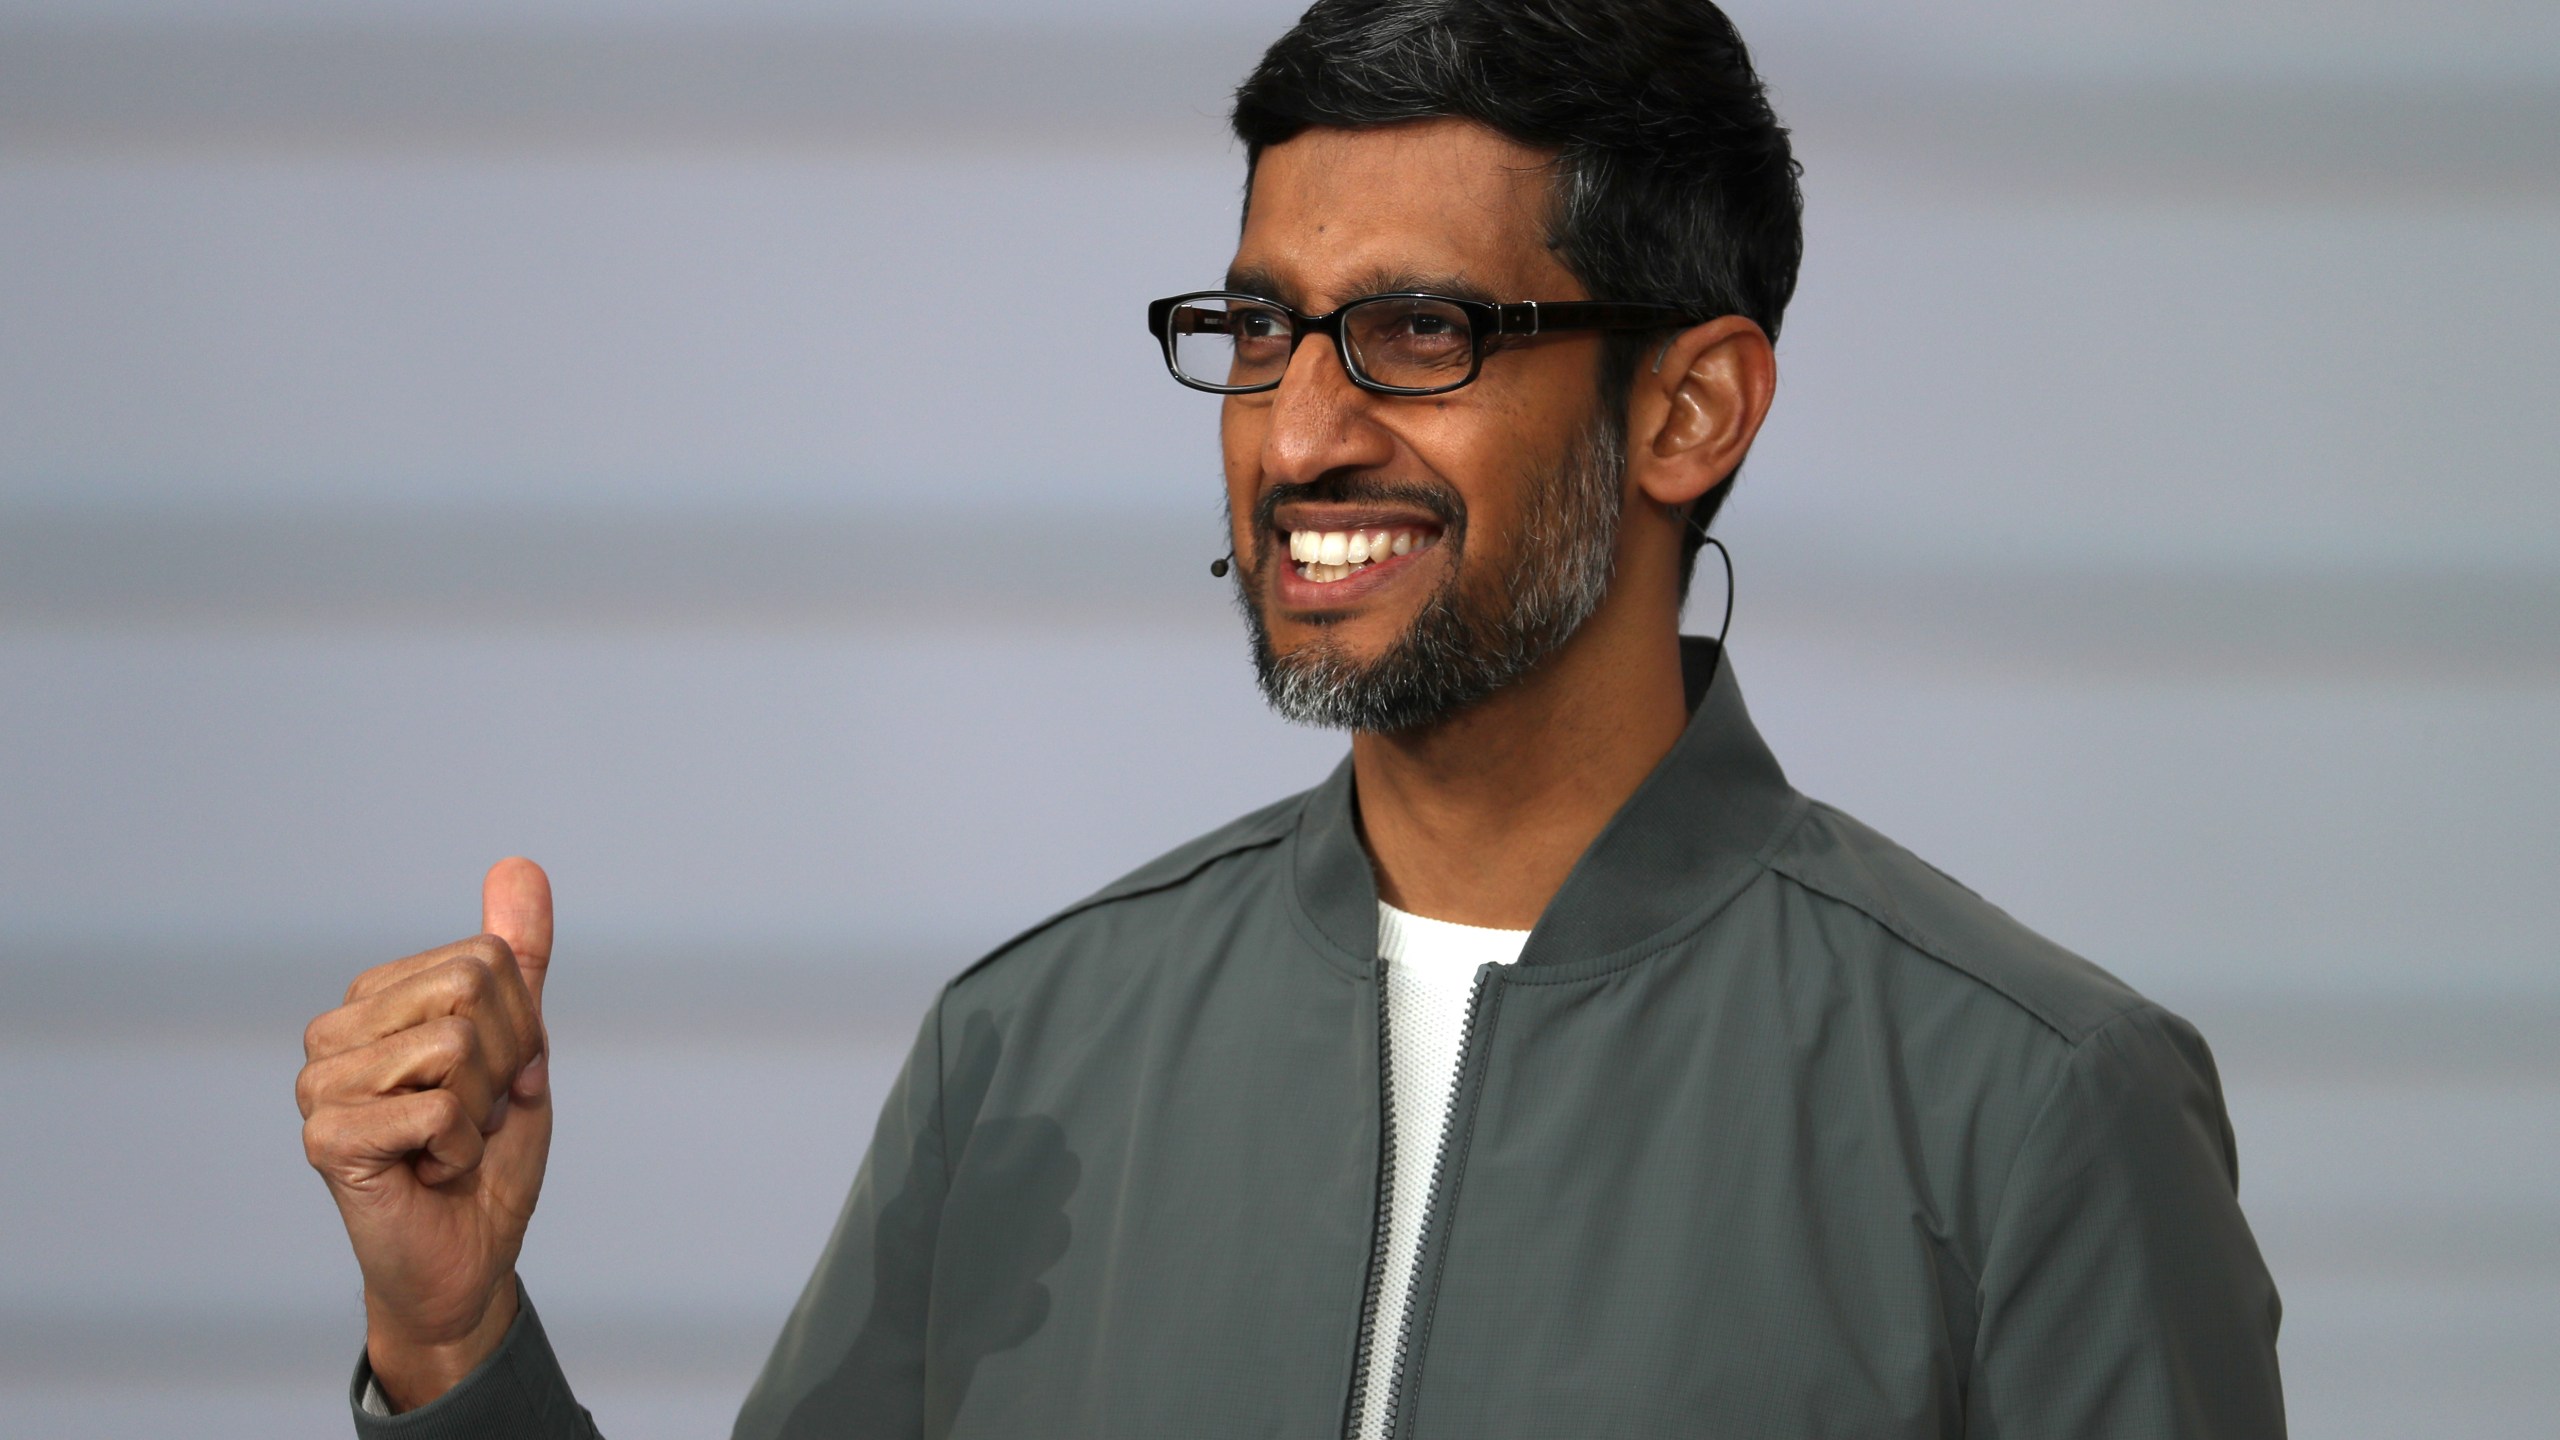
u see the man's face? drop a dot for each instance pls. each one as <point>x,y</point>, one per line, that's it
<point>1495,505</point>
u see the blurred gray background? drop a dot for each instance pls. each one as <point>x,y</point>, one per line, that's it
<point>435,429</point>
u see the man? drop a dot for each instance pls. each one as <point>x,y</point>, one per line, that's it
<point>1553,1069</point>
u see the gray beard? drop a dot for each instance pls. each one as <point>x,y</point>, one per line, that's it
<point>1458,651</point>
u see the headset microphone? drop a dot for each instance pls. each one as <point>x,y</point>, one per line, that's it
<point>1218,567</point>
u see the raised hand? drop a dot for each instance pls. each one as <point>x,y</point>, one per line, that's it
<point>426,1106</point>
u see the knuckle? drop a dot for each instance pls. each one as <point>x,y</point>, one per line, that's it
<point>473,977</point>
<point>323,1138</point>
<point>451,1038</point>
<point>315,1036</point>
<point>447,1110</point>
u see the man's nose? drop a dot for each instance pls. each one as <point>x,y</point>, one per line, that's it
<point>1320,421</point>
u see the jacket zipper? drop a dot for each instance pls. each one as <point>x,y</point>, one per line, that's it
<point>1365,1352</point>
<point>1361,1350</point>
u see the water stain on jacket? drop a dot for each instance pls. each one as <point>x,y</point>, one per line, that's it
<point>999,1226</point>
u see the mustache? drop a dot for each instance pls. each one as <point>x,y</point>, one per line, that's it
<point>1442,503</point>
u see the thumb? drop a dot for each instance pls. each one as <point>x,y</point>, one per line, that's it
<point>515,906</point>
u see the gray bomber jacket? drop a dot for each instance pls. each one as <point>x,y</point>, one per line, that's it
<point>1773,1131</point>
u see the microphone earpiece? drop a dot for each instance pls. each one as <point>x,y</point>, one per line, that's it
<point>1218,567</point>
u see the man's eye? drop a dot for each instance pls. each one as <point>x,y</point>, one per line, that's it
<point>1260,328</point>
<point>1424,331</point>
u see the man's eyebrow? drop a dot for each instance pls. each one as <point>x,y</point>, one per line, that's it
<point>1257,281</point>
<point>1393,282</point>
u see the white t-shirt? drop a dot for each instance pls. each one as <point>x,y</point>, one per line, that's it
<point>1431,970</point>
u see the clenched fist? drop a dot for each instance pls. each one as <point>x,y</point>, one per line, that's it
<point>426,1106</point>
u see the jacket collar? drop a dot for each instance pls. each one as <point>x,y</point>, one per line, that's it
<point>1689,837</point>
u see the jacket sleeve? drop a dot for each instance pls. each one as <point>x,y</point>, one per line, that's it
<point>850,1363</point>
<point>518,1393</point>
<point>2122,1294</point>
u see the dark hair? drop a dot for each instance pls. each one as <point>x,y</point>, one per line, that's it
<point>1674,180</point>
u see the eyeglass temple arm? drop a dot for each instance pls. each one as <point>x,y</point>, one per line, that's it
<point>1170,317</point>
<point>1177,317</point>
<point>1529,317</point>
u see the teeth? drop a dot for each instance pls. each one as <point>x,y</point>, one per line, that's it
<point>1325,556</point>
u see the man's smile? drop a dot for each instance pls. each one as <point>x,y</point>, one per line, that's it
<point>1341,554</point>
<point>1332,555</point>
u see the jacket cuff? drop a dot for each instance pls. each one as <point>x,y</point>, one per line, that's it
<point>518,1393</point>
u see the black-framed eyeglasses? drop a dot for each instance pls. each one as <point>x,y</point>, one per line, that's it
<point>1408,343</point>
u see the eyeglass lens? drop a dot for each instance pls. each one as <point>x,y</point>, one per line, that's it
<point>1406,343</point>
<point>1221,340</point>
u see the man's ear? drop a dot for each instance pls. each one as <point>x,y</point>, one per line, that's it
<point>1696,406</point>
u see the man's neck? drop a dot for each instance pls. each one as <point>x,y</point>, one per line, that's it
<point>1480,819</point>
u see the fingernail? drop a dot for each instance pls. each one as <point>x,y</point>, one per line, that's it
<point>497,1117</point>
<point>533,1079</point>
